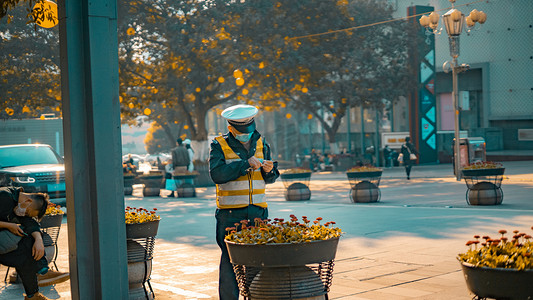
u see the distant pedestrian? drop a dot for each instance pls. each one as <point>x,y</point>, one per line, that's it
<point>180,157</point>
<point>313,163</point>
<point>187,144</point>
<point>387,151</point>
<point>159,164</point>
<point>128,165</point>
<point>409,156</point>
<point>298,160</point>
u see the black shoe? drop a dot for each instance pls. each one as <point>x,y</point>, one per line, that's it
<point>408,178</point>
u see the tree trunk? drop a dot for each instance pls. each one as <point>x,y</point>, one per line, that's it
<point>168,133</point>
<point>200,144</point>
<point>334,148</point>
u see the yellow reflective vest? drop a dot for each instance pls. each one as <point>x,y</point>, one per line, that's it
<point>245,190</point>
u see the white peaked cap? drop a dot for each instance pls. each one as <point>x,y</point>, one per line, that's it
<point>241,113</point>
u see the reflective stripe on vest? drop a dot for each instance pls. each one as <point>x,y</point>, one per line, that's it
<point>245,190</point>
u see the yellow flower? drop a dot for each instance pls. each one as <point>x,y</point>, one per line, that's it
<point>483,165</point>
<point>53,209</point>
<point>140,215</point>
<point>281,231</point>
<point>364,169</point>
<point>296,170</point>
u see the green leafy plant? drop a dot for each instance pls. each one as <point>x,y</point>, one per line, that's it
<point>281,231</point>
<point>502,252</point>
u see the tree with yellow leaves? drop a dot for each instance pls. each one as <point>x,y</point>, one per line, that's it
<point>191,56</point>
<point>29,67</point>
<point>188,57</point>
<point>334,62</point>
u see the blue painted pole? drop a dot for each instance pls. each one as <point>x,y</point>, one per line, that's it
<point>91,125</point>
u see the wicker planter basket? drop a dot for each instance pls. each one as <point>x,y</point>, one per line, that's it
<point>140,241</point>
<point>484,186</point>
<point>284,271</point>
<point>365,186</point>
<point>297,186</point>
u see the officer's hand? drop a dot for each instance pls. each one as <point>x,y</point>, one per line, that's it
<point>254,162</point>
<point>15,229</point>
<point>268,165</point>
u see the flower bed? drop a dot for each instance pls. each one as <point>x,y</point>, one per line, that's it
<point>276,257</point>
<point>364,169</point>
<point>501,252</point>
<point>141,229</point>
<point>296,181</point>
<point>499,268</point>
<point>364,172</point>
<point>295,173</point>
<point>53,209</point>
<point>53,216</point>
<point>483,180</point>
<point>483,168</point>
<point>279,231</point>
<point>364,182</point>
<point>140,215</point>
<point>483,165</point>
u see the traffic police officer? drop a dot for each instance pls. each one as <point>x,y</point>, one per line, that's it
<point>240,164</point>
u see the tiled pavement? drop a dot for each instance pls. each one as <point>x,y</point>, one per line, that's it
<point>401,248</point>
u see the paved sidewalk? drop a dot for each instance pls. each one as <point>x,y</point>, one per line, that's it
<point>403,247</point>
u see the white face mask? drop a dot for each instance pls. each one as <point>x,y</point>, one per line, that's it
<point>20,211</point>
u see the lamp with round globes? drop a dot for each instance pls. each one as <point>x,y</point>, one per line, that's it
<point>482,17</point>
<point>454,21</point>
<point>424,21</point>
<point>456,15</point>
<point>474,15</point>
<point>469,22</point>
<point>434,18</point>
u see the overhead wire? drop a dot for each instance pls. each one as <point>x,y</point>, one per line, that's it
<point>378,23</point>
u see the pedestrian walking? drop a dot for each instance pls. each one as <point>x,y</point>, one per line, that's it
<point>240,164</point>
<point>21,242</point>
<point>409,155</point>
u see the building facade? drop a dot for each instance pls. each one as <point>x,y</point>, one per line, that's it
<point>496,94</point>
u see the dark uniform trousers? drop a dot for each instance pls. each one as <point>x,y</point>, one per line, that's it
<point>228,288</point>
<point>22,260</point>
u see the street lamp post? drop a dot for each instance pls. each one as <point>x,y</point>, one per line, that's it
<point>454,21</point>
